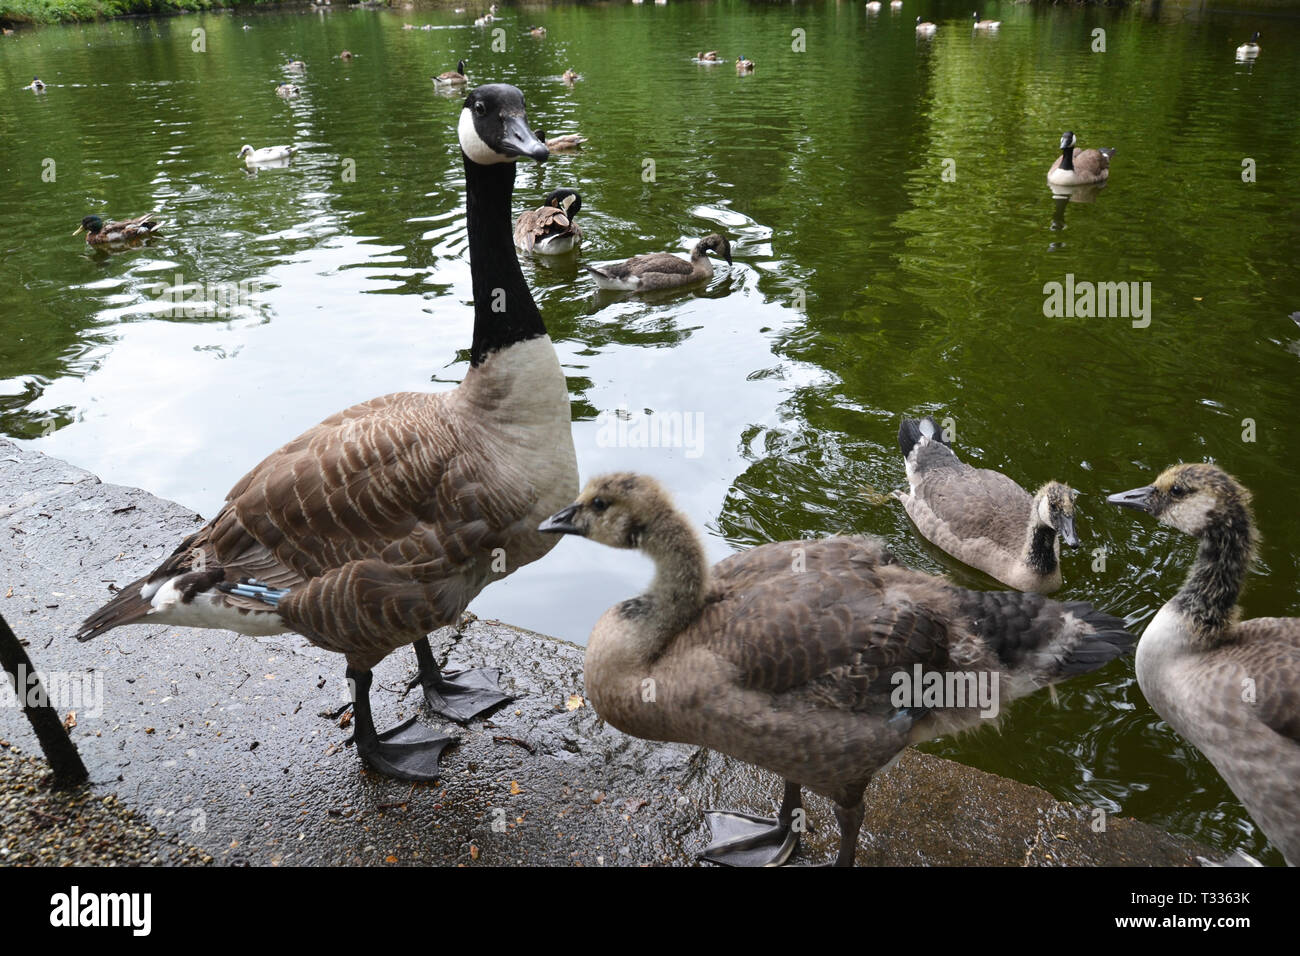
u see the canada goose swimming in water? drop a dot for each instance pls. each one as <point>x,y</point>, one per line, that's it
<point>287,90</point>
<point>980,516</point>
<point>99,232</point>
<point>564,143</point>
<point>1250,47</point>
<point>662,270</point>
<point>454,77</point>
<point>985,24</point>
<point>267,154</point>
<point>788,656</point>
<point>550,228</point>
<point>1075,167</point>
<point>383,522</point>
<point>1230,687</point>
<point>925,28</point>
<point>744,65</point>
<point>36,86</point>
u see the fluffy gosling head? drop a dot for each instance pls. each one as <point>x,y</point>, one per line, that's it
<point>714,243</point>
<point>1054,508</point>
<point>617,509</point>
<point>1190,497</point>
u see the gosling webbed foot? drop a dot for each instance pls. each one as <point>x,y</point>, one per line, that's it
<point>740,839</point>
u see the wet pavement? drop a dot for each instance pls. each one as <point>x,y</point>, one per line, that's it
<point>224,745</point>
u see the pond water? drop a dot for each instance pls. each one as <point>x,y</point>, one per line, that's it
<point>893,234</point>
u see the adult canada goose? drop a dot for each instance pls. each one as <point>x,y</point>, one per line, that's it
<point>564,143</point>
<point>1075,167</point>
<point>1231,687</point>
<point>267,154</point>
<point>384,521</point>
<point>981,517</point>
<point>925,28</point>
<point>985,24</point>
<point>550,229</point>
<point>662,270</point>
<point>793,656</point>
<point>1250,47</point>
<point>287,90</point>
<point>454,77</point>
<point>744,65</point>
<point>36,86</point>
<point>101,232</point>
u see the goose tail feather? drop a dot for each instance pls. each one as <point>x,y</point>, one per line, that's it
<point>126,608</point>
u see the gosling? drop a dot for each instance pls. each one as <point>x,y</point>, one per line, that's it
<point>1230,687</point>
<point>792,656</point>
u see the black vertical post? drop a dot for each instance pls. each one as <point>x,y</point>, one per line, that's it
<point>58,746</point>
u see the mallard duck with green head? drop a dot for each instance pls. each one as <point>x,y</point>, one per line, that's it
<point>98,232</point>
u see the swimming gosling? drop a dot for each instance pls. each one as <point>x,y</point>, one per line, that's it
<point>980,516</point>
<point>661,270</point>
<point>791,656</point>
<point>1230,687</point>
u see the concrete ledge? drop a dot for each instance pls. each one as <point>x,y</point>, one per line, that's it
<point>221,744</point>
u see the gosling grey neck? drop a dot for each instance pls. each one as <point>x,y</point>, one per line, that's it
<point>681,580</point>
<point>1040,545</point>
<point>1208,598</point>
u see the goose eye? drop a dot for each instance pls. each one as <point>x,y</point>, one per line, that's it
<point>1178,491</point>
<point>599,504</point>
<point>479,108</point>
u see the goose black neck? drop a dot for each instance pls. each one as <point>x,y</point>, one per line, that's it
<point>504,311</point>
<point>1042,549</point>
<point>1209,595</point>
<point>1067,158</point>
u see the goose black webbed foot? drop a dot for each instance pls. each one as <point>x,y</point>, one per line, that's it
<point>740,839</point>
<point>409,751</point>
<point>473,692</point>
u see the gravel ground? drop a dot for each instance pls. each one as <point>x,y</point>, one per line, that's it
<point>40,826</point>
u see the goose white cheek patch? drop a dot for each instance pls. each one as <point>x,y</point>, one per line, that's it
<point>473,145</point>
